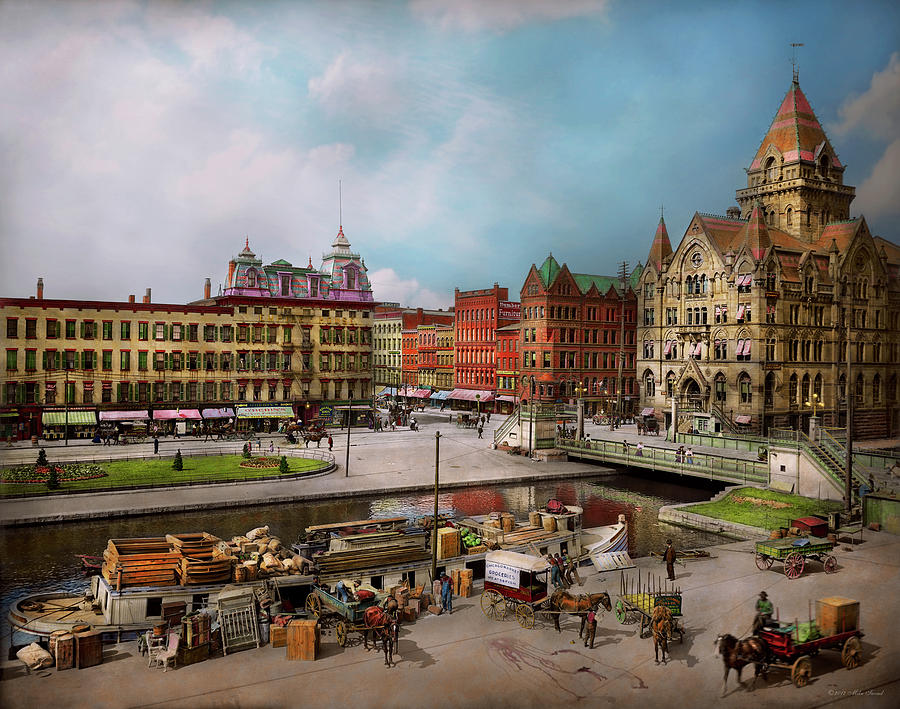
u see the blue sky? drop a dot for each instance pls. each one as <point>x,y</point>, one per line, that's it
<point>142,141</point>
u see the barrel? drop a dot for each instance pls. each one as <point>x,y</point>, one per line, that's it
<point>534,519</point>
<point>160,629</point>
<point>252,572</point>
<point>508,522</point>
<point>549,523</point>
<point>240,573</point>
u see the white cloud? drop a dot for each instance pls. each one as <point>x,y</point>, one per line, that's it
<point>877,113</point>
<point>387,285</point>
<point>501,15</point>
<point>366,89</point>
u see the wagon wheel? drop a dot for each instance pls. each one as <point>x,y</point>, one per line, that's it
<point>793,565</point>
<point>314,605</point>
<point>801,671</point>
<point>763,562</point>
<point>851,652</point>
<point>830,565</point>
<point>341,632</point>
<point>493,605</point>
<point>621,612</point>
<point>525,616</point>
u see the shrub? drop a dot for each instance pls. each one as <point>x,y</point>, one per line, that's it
<point>52,478</point>
<point>42,458</point>
<point>247,453</point>
<point>177,463</point>
<point>283,465</point>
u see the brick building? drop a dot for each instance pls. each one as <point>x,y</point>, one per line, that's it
<point>391,321</point>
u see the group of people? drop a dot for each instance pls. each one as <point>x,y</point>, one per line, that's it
<point>684,455</point>
<point>563,572</point>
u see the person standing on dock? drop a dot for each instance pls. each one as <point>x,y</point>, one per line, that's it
<point>669,558</point>
<point>591,628</point>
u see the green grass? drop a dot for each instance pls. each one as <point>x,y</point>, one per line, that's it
<point>137,473</point>
<point>763,515</point>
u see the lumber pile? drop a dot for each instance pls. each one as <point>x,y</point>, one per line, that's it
<point>525,534</point>
<point>400,551</point>
<point>144,561</point>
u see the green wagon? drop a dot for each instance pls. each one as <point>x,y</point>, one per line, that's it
<point>794,556</point>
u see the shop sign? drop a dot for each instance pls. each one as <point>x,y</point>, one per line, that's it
<point>502,575</point>
<point>510,311</point>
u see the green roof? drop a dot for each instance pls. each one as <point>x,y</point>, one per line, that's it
<point>280,262</point>
<point>548,271</point>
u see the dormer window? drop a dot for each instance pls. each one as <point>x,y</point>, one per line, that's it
<point>824,164</point>
<point>350,277</point>
<point>285,285</point>
<point>251,278</point>
<point>771,170</point>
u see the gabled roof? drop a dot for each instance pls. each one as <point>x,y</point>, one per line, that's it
<point>795,132</point>
<point>757,234</point>
<point>842,233</point>
<point>548,271</point>
<point>661,248</point>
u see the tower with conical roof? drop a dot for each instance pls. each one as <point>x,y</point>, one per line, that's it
<point>661,250</point>
<point>796,174</point>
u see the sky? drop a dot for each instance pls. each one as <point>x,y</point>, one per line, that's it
<point>142,142</point>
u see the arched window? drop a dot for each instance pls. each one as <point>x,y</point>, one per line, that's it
<point>792,389</point>
<point>823,166</point>
<point>789,217</point>
<point>817,387</point>
<point>703,283</point>
<point>860,388</point>
<point>804,391</point>
<point>670,384</point>
<point>251,278</point>
<point>744,384</point>
<point>876,389</point>
<point>649,384</point>
<point>842,388</point>
<point>771,170</point>
<point>770,390</point>
<point>720,387</point>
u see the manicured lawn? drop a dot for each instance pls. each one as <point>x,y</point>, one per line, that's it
<point>131,473</point>
<point>763,508</point>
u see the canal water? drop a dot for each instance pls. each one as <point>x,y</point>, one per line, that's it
<point>42,558</point>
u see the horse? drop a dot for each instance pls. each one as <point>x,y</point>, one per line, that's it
<point>385,627</point>
<point>738,653</point>
<point>563,602</point>
<point>661,627</point>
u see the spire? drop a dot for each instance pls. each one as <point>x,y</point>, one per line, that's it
<point>661,248</point>
<point>757,239</point>
<point>549,270</point>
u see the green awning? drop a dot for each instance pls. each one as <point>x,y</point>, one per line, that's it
<point>264,412</point>
<point>76,418</point>
<point>9,414</point>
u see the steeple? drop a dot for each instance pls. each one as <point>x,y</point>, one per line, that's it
<point>757,240</point>
<point>661,249</point>
<point>796,174</point>
<point>340,245</point>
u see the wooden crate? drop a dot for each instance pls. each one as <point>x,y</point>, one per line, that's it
<point>191,655</point>
<point>62,647</point>
<point>465,589</point>
<point>88,649</point>
<point>448,543</point>
<point>836,615</point>
<point>173,612</point>
<point>302,640</point>
<point>278,635</point>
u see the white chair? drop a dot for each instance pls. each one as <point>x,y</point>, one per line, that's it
<point>166,653</point>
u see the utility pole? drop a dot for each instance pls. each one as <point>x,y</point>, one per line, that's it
<point>623,274</point>
<point>66,400</point>
<point>849,393</point>
<point>349,420</point>
<point>434,526</point>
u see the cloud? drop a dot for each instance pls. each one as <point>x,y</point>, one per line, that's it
<point>370,89</point>
<point>388,286</point>
<point>501,15</point>
<point>877,114</point>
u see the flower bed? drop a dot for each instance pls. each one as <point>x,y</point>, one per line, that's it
<point>263,462</point>
<point>38,474</point>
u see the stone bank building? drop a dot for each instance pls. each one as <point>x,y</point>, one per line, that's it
<point>745,325</point>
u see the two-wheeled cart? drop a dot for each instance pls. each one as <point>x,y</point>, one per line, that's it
<point>793,553</point>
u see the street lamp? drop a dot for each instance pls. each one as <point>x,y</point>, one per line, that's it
<point>477,408</point>
<point>579,392</point>
<point>526,381</point>
<point>816,405</point>
<point>349,420</point>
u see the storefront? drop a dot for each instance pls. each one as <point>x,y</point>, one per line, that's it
<point>471,400</point>
<point>439,398</point>
<point>81,423</point>
<point>181,421</point>
<point>9,420</point>
<point>129,425</point>
<point>262,419</point>
<point>505,404</point>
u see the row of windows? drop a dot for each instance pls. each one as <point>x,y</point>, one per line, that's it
<point>52,360</point>
<point>570,360</point>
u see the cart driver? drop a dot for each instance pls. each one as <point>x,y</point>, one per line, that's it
<point>764,611</point>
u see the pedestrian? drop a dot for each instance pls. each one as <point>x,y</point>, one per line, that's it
<point>446,594</point>
<point>155,445</point>
<point>640,449</point>
<point>669,558</point>
<point>690,456</point>
<point>554,571</point>
<point>489,416</point>
<point>764,612</point>
<point>625,447</point>
<point>562,569</point>
<point>480,429</point>
<point>591,629</point>
<point>330,442</point>
<point>871,483</point>
<point>640,428</point>
<point>271,446</point>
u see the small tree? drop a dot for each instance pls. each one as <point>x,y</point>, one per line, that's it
<point>246,453</point>
<point>42,459</point>
<point>283,465</point>
<point>178,463</point>
<point>52,478</point>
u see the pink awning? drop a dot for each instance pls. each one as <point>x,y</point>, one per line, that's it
<point>668,347</point>
<point>740,312</point>
<point>742,419</point>
<point>167,414</point>
<point>421,393</point>
<point>647,412</point>
<point>123,415</point>
<point>469,395</point>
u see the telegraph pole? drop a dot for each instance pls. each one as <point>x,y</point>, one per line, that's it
<point>849,393</point>
<point>434,526</point>
<point>623,274</point>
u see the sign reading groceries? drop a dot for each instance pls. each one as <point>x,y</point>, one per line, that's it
<point>510,311</point>
<point>502,574</point>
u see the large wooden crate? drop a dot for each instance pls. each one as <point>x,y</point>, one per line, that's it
<point>62,647</point>
<point>88,649</point>
<point>278,635</point>
<point>836,615</point>
<point>147,561</point>
<point>448,543</point>
<point>302,640</point>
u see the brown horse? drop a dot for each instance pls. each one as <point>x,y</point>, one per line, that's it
<point>384,626</point>
<point>661,627</point>
<point>738,653</point>
<point>563,602</point>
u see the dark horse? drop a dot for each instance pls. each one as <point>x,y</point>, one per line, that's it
<point>738,653</point>
<point>385,627</point>
<point>563,602</point>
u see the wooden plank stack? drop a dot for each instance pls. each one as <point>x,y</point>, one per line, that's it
<point>144,561</point>
<point>525,534</point>
<point>402,551</point>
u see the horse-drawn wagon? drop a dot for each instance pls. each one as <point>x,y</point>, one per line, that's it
<point>348,616</point>
<point>637,603</point>
<point>793,553</point>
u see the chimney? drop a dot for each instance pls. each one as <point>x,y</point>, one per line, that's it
<point>147,296</point>
<point>207,289</point>
<point>130,298</point>
<point>40,289</point>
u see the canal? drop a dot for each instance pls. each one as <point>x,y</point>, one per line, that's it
<point>42,558</point>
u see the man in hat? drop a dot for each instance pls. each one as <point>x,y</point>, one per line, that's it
<point>763,612</point>
<point>669,558</point>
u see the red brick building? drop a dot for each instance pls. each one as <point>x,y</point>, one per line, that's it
<point>479,314</point>
<point>508,367</point>
<point>572,333</point>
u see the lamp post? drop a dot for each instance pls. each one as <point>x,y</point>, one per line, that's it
<point>434,520</point>
<point>815,405</point>
<point>477,408</point>
<point>579,392</point>
<point>526,381</point>
<point>349,420</point>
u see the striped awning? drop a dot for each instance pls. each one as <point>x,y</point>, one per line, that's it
<point>124,415</point>
<point>469,395</point>
<point>647,412</point>
<point>167,414</point>
<point>265,412</point>
<point>742,419</point>
<point>217,413</point>
<point>504,397</point>
<point>76,418</point>
<point>439,395</point>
